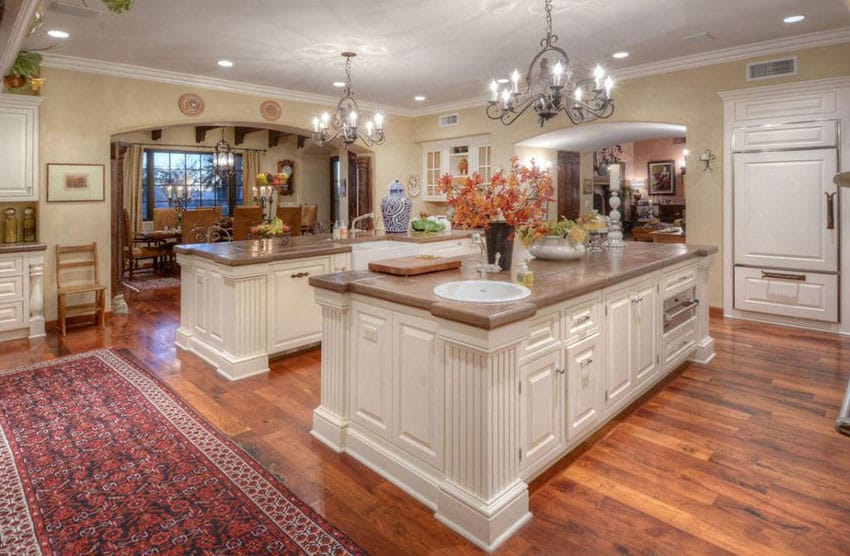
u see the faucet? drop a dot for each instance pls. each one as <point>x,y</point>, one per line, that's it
<point>484,269</point>
<point>352,230</point>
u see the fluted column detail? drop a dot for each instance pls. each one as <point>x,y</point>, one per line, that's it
<point>705,343</point>
<point>331,418</point>
<point>36,301</point>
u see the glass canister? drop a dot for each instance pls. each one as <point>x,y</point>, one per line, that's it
<point>11,225</point>
<point>29,224</point>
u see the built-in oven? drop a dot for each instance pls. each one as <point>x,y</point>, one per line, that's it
<point>680,308</point>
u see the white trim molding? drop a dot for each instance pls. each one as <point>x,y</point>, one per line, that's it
<point>10,43</point>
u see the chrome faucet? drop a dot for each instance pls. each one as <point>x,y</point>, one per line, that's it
<point>352,229</point>
<point>484,269</point>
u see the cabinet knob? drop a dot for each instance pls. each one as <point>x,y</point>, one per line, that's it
<point>560,370</point>
<point>637,298</point>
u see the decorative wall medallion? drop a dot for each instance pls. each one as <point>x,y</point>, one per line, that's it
<point>191,104</point>
<point>270,110</point>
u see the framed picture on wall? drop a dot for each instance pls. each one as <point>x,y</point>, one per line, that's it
<point>662,177</point>
<point>75,182</point>
<point>587,186</point>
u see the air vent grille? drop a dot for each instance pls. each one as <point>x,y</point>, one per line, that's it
<point>771,68</point>
<point>448,120</point>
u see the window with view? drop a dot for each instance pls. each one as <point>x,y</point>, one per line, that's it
<point>193,169</point>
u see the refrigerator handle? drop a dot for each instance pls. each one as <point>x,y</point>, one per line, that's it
<point>830,211</point>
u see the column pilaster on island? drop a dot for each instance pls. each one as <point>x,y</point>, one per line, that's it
<point>331,418</point>
<point>705,343</point>
<point>482,496</point>
<point>36,277</point>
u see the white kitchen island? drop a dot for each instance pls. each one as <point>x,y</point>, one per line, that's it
<point>462,404</point>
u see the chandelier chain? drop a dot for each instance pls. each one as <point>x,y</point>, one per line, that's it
<point>550,38</point>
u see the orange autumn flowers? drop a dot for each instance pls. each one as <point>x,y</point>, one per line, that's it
<point>518,195</point>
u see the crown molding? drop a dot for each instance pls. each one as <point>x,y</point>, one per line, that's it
<point>720,56</point>
<point>10,43</point>
<point>128,71</point>
<point>782,89</point>
<point>9,99</point>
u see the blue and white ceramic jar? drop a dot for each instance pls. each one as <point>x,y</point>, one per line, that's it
<point>395,208</point>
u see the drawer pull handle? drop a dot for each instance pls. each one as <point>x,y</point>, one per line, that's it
<point>586,362</point>
<point>560,370</point>
<point>783,276</point>
<point>637,298</point>
<point>683,278</point>
<point>299,275</point>
<point>683,343</point>
<point>830,210</point>
<point>581,320</point>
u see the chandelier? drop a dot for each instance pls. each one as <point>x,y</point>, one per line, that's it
<point>347,118</point>
<point>555,90</point>
<point>223,159</point>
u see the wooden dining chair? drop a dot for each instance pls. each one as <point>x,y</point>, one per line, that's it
<point>136,249</point>
<point>244,218</point>
<point>291,216</point>
<point>194,220</point>
<point>76,275</point>
<point>309,216</point>
<point>164,218</point>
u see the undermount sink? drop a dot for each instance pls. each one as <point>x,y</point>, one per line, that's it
<point>481,291</point>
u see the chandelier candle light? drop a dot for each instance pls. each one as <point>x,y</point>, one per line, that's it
<point>346,120</point>
<point>223,159</point>
<point>555,90</point>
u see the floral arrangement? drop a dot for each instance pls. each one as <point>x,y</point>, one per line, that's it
<point>517,196</point>
<point>274,229</point>
<point>267,178</point>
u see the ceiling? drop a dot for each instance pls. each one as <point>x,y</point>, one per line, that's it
<point>595,137</point>
<point>442,49</point>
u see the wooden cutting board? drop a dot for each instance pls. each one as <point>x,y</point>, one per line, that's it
<point>411,266</point>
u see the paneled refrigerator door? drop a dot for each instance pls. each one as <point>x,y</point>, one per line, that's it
<point>782,202</point>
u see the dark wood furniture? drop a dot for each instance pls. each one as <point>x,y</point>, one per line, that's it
<point>291,216</point>
<point>137,248</point>
<point>309,216</point>
<point>76,275</point>
<point>245,218</point>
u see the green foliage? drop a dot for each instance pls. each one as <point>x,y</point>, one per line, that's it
<point>426,225</point>
<point>27,64</point>
<point>118,6</point>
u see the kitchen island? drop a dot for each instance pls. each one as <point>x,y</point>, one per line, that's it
<point>462,404</point>
<point>244,301</point>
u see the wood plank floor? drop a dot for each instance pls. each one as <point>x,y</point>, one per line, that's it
<point>738,456</point>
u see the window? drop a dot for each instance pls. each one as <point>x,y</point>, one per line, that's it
<point>194,169</point>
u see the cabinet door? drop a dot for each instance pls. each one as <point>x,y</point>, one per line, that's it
<point>645,331</point>
<point>585,385</point>
<point>294,317</point>
<point>540,404</point>
<point>371,368</point>
<point>781,210</point>
<point>618,347</point>
<point>19,147</point>
<point>433,161</point>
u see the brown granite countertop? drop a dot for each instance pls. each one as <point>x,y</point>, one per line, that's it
<point>554,282</point>
<point>21,247</point>
<point>238,253</point>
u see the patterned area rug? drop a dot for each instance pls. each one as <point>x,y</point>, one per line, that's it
<point>97,456</point>
<point>152,283</point>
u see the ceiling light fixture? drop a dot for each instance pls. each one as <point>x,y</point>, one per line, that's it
<point>58,34</point>
<point>223,159</point>
<point>620,55</point>
<point>339,84</point>
<point>347,118</point>
<point>225,63</point>
<point>794,19</point>
<point>419,98</point>
<point>502,80</point>
<point>554,91</point>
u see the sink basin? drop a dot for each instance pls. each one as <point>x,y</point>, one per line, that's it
<point>482,291</point>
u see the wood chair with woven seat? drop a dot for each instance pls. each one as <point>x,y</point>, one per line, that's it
<point>309,216</point>
<point>193,220</point>
<point>244,218</point>
<point>76,274</point>
<point>164,218</point>
<point>291,216</point>
<point>137,249</point>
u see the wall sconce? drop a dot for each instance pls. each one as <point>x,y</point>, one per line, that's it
<point>707,157</point>
<point>683,168</point>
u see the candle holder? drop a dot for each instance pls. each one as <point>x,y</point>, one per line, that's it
<point>179,197</point>
<point>615,227</point>
<point>264,196</point>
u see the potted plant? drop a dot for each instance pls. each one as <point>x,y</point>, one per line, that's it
<point>27,66</point>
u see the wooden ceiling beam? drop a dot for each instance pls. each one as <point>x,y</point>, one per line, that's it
<point>239,133</point>
<point>156,134</point>
<point>275,137</point>
<point>201,132</point>
<point>301,140</point>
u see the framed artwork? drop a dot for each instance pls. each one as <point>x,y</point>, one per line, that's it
<point>75,182</point>
<point>288,168</point>
<point>662,177</point>
<point>587,186</point>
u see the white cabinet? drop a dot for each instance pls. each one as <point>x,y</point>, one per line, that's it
<point>541,393</point>
<point>21,295</point>
<point>451,248</point>
<point>297,320</point>
<point>631,339</point>
<point>19,147</point>
<point>371,368</point>
<point>585,387</point>
<point>459,157</point>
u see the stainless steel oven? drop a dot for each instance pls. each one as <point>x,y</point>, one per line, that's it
<point>679,308</point>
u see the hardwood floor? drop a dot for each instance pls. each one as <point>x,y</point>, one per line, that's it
<point>738,456</point>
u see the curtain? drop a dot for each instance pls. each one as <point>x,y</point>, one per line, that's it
<point>133,185</point>
<point>250,169</point>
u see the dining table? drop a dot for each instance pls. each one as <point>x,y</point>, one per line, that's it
<point>161,238</point>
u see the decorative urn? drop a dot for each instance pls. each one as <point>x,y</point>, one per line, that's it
<point>395,208</point>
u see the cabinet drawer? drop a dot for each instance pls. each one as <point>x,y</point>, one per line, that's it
<point>11,288</point>
<point>11,266</point>
<point>581,319</point>
<point>678,342</point>
<point>543,333</point>
<point>11,315</point>
<point>678,279</point>
<point>807,295</point>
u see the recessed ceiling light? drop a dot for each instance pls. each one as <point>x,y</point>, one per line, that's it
<point>619,55</point>
<point>339,84</point>
<point>225,63</point>
<point>794,18</point>
<point>58,34</point>
<point>502,81</point>
<point>419,98</point>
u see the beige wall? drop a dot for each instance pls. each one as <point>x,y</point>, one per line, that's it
<point>686,97</point>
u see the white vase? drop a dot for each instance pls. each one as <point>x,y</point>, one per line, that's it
<point>556,248</point>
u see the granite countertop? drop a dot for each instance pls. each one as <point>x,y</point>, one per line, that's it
<point>21,247</point>
<point>238,253</point>
<point>554,281</point>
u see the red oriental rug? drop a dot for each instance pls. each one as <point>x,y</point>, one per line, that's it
<point>97,456</point>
